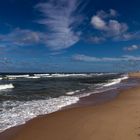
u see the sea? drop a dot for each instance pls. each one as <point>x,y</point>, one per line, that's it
<point>24,96</point>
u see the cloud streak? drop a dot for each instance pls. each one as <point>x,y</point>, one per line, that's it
<point>21,37</point>
<point>85,58</point>
<point>132,48</point>
<point>60,18</point>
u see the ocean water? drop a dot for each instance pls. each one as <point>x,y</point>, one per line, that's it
<point>25,96</point>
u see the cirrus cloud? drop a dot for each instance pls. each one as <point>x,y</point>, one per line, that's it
<point>60,19</point>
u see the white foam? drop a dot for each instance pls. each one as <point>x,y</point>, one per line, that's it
<point>11,77</point>
<point>60,75</point>
<point>85,94</point>
<point>33,77</point>
<point>6,86</point>
<point>41,75</point>
<point>0,78</point>
<point>104,87</point>
<point>125,77</point>
<point>67,75</point>
<point>116,81</point>
<point>72,92</point>
<point>17,112</point>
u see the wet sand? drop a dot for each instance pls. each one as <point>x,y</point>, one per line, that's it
<point>118,119</point>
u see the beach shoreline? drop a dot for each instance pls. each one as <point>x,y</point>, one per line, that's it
<point>91,100</point>
<point>75,120</point>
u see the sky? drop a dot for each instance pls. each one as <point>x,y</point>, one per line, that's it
<point>69,35</point>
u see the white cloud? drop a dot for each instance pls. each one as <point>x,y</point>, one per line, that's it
<point>59,17</point>
<point>132,48</point>
<point>85,58</point>
<point>21,37</point>
<point>98,23</point>
<point>109,27</point>
<point>116,28</point>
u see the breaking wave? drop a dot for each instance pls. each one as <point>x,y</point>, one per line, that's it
<point>72,92</point>
<point>6,86</point>
<point>116,81</point>
<point>11,77</point>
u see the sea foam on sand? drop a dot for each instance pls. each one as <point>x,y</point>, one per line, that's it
<point>18,112</point>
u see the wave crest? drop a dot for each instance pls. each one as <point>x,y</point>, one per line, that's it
<point>116,81</point>
<point>6,86</point>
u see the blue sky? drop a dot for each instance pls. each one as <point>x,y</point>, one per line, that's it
<point>69,35</point>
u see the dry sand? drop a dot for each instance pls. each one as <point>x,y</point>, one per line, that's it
<point>134,74</point>
<point>118,119</point>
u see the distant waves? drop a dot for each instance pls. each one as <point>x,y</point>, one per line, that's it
<point>36,76</point>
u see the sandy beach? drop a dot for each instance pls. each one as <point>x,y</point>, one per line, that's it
<point>117,119</point>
